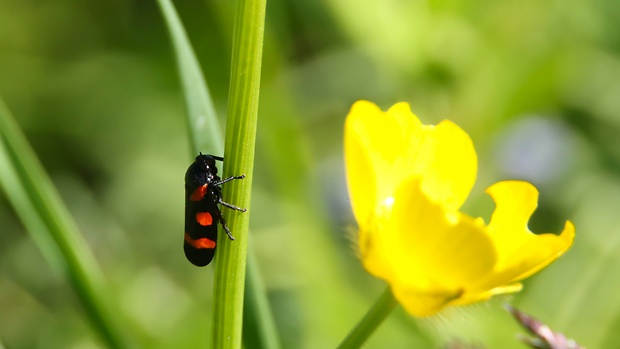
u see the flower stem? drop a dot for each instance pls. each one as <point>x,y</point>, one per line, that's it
<point>205,135</point>
<point>239,154</point>
<point>373,318</point>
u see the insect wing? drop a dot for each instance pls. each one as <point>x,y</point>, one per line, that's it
<point>200,230</point>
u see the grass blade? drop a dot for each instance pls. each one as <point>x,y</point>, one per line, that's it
<point>240,141</point>
<point>258,320</point>
<point>259,329</point>
<point>203,125</point>
<point>46,218</point>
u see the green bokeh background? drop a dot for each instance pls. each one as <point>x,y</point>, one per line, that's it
<point>95,88</point>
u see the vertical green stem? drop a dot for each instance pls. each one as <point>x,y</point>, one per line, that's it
<point>259,330</point>
<point>239,159</point>
<point>375,316</point>
<point>206,136</point>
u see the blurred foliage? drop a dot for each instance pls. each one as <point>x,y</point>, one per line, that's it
<point>94,87</point>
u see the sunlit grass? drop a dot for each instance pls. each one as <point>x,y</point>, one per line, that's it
<point>205,135</point>
<point>45,216</point>
<point>99,102</point>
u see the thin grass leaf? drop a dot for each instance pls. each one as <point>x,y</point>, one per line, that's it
<point>40,208</point>
<point>203,125</point>
<point>239,154</point>
<point>259,330</point>
<point>205,134</point>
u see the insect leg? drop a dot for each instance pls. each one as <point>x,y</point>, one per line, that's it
<point>223,223</point>
<point>233,207</point>
<point>220,182</point>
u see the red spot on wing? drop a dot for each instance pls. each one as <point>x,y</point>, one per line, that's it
<point>204,218</point>
<point>199,243</point>
<point>199,193</point>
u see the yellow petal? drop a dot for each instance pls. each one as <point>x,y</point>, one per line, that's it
<point>541,251</point>
<point>474,297</point>
<point>384,148</point>
<point>515,201</point>
<point>521,252</point>
<point>373,142</point>
<point>423,251</point>
<point>422,303</point>
<point>445,159</point>
<point>361,176</point>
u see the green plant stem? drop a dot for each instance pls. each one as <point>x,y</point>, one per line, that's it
<point>203,125</point>
<point>373,318</point>
<point>239,154</point>
<point>205,135</point>
<point>259,330</point>
<point>39,206</point>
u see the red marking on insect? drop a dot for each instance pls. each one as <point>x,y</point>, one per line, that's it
<point>203,195</point>
<point>204,218</point>
<point>199,193</point>
<point>200,243</point>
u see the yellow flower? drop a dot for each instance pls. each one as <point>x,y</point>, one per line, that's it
<point>407,182</point>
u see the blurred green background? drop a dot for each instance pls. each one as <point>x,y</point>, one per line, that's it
<point>94,86</point>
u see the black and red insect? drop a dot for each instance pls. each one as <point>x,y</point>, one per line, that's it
<point>203,194</point>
